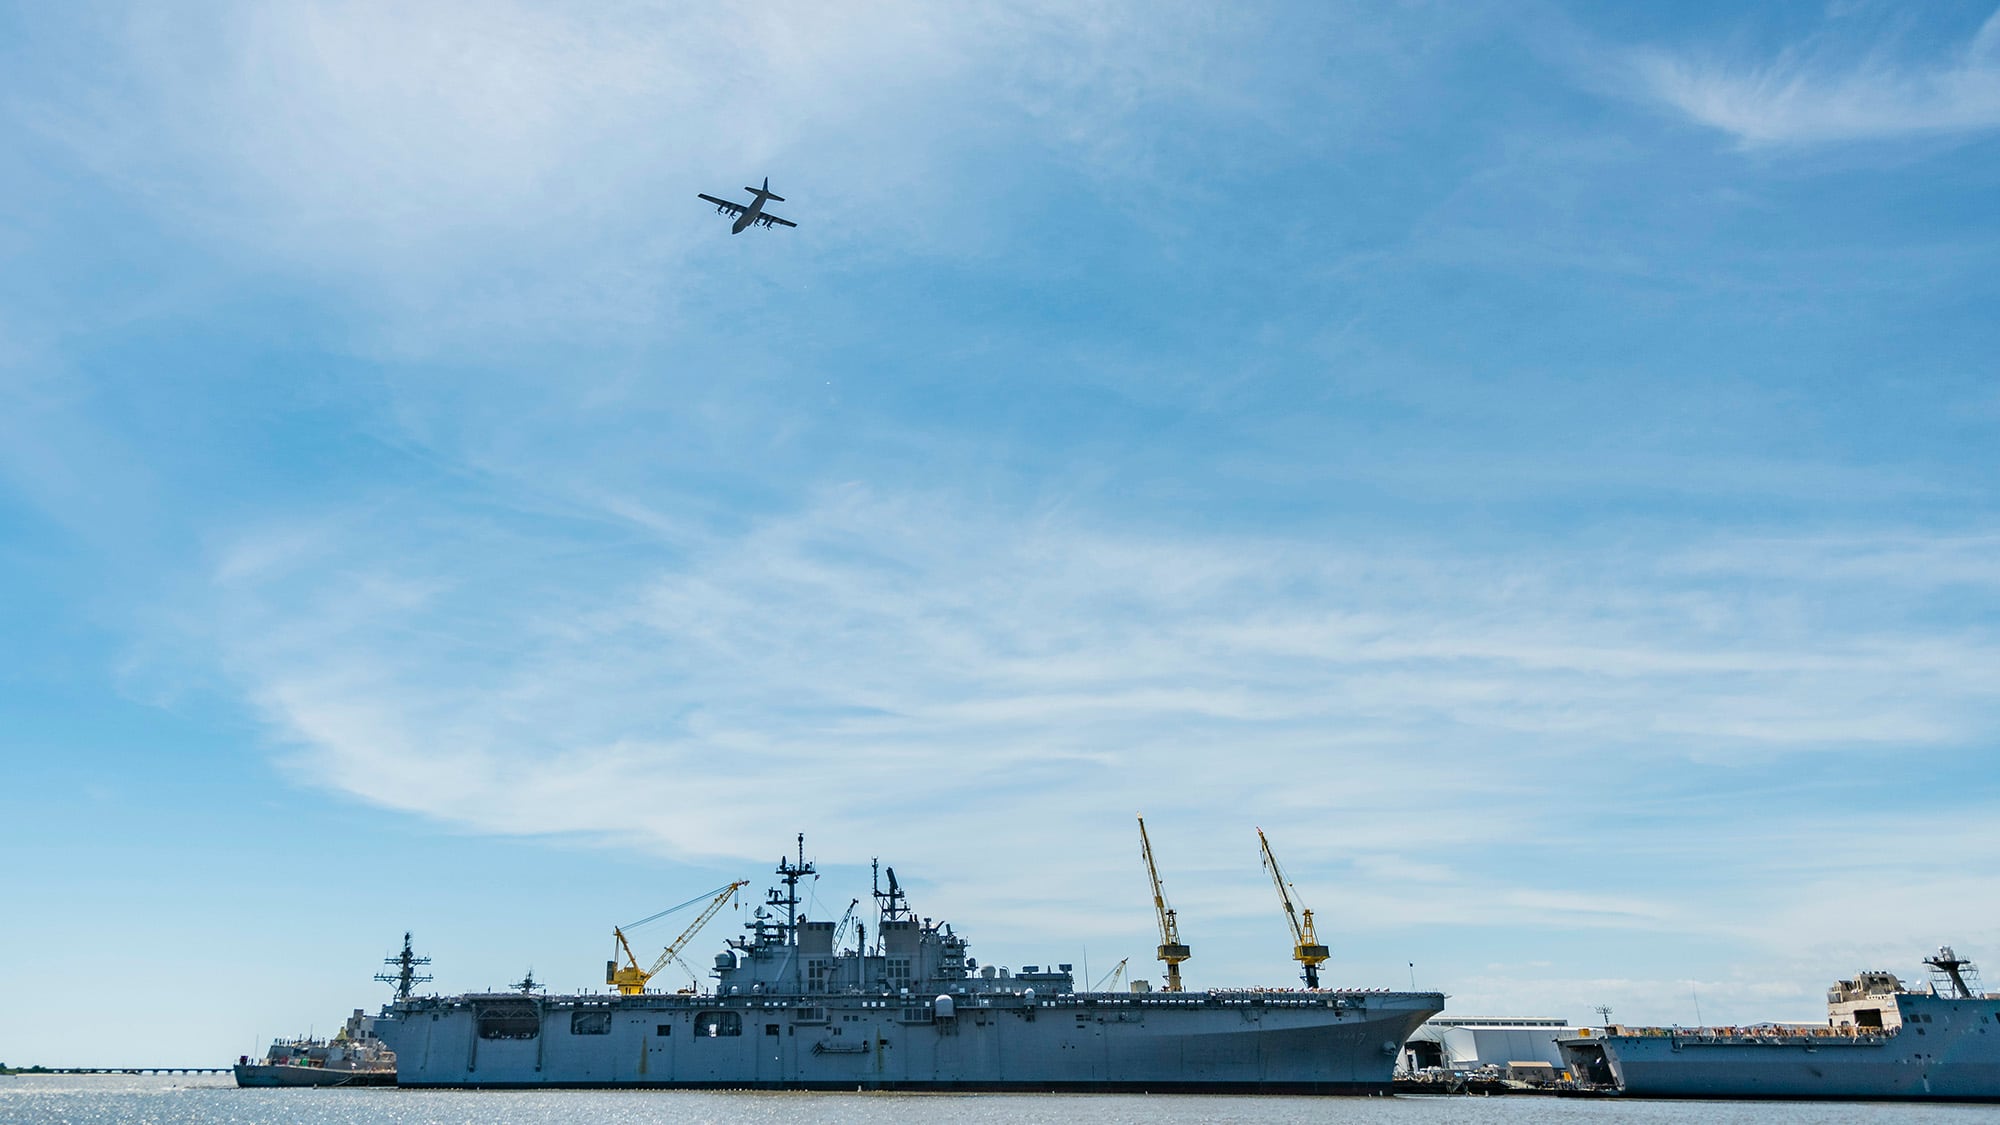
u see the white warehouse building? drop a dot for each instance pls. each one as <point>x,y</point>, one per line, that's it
<point>1459,1043</point>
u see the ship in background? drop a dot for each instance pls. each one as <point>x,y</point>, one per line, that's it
<point>353,1057</point>
<point>791,1009</point>
<point>1882,1041</point>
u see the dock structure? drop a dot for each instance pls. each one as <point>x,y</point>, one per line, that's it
<point>128,1070</point>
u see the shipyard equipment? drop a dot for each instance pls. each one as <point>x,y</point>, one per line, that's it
<point>1306,949</point>
<point>629,978</point>
<point>1171,950</point>
<point>846,920</point>
<point>1113,980</point>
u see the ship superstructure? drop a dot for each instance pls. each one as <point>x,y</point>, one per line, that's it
<point>910,1010</point>
<point>1882,1040</point>
<point>355,1056</point>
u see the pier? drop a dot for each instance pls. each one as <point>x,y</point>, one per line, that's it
<point>127,1070</point>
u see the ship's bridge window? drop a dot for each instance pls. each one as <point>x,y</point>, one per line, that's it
<point>716,1025</point>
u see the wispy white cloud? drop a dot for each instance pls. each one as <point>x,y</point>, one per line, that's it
<point>879,669</point>
<point>477,175</point>
<point>1815,92</point>
<point>607,617</point>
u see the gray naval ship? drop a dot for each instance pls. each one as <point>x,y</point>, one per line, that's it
<point>354,1057</point>
<point>914,1011</point>
<point>1882,1041</point>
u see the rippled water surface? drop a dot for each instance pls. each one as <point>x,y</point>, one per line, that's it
<point>171,1100</point>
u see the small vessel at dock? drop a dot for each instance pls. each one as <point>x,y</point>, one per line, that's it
<point>356,1056</point>
<point>353,1057</point>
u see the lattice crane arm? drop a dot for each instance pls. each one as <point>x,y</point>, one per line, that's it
<point>626,946</point>
<point>629,978</point>
<point>1284,891</point>
<point>846,920</point>
<point>673,949</point>
<point>1171,951</point>
<point>1306,949</point>
<point>1114,978</point>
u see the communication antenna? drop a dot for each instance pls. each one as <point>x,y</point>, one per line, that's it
<point>789,873</point>
<point>1952,975</point>
<point>1604,1013</point>
<point>406,976</point>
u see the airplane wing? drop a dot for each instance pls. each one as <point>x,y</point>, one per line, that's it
<point>767,219</point>
<point>723,204</point>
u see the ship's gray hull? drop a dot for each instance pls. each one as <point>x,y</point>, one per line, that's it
<point>1278,1042</point>
<point>1946,1050</point>
<point>273,1074</point>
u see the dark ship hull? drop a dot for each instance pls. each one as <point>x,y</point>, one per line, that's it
<point>1282,1042</point>
<point>272,1074</point>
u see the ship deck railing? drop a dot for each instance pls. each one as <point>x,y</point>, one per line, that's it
<point>1220,997</point>
<point>1755,1034</point>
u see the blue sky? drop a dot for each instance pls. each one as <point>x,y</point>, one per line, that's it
<point>1536,461</point>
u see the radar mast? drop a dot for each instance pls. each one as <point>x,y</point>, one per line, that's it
<point>1952,975</point>
<point>406,976</point>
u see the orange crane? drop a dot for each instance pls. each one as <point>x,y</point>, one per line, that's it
<point>629,978</point>
<point>1171,950</point>
<point>1306,949</point>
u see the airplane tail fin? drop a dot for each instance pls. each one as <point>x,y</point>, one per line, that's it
<point>766,190</point>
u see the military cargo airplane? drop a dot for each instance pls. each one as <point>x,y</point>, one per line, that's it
<point>754,213</point>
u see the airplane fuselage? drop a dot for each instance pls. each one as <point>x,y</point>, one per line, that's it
<point>751,212</point>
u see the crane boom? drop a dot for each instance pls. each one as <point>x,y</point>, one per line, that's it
<point>1306,949</point>
<point>846,920</point>
<point>630,979</point>
<point>1114,978</point>
<point>1171,950</point>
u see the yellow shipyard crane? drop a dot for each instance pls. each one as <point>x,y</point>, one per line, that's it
<point>629,978</point>
<point>1171,950</point>
<point>1115,979</point>
<point>1306,949</point>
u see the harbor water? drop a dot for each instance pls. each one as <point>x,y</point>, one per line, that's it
<point>215,1100</point>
